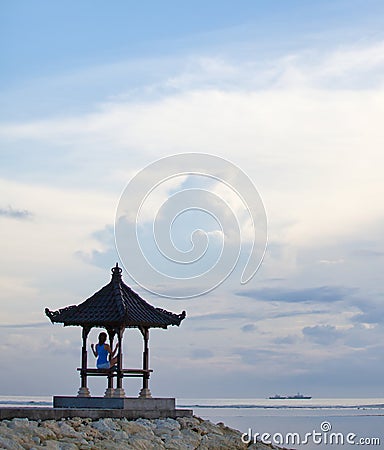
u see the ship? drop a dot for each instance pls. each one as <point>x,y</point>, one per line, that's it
<point>298,396</point>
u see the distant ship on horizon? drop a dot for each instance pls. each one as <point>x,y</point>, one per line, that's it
<point>298,396</point>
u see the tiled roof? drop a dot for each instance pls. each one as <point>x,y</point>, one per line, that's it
<point>115,305</point>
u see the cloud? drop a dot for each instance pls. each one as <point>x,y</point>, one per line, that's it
<point>368,253</point>
<point>291,137</point>
<point>297,312</point>
<point>101,259</point>
<point>322,334</point>
<point>319,129</point>
<point>253,356</point>
<point>105,254</point>
<point>248,328</point>
<point>357,61</point>
<point>343,67</point>
<point>20,214</point>
<point>201,353</point>
<point>322,294</point>
<point>331,261</point>
<point>25,325</point>
<point>219,316</point>
<point>372,312</point>
<point>286,340</point>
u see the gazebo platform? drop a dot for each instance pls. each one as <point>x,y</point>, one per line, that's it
<point>133,403</point>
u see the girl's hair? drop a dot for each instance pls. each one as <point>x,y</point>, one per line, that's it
<point>102,337</point>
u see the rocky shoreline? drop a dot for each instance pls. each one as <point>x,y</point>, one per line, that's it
<point>183,433</point>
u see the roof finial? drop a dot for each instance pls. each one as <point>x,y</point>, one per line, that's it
<point>116,271</point>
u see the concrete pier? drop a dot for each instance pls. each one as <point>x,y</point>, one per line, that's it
<point>100,407</point>
<point>94,414</point>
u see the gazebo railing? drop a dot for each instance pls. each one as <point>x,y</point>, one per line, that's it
<point>114,372</point>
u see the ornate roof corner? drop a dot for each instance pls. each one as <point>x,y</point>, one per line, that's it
<point>49,314</point>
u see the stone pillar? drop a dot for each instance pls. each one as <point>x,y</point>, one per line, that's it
<point>119,391</point>
<point>145,392</point>
<point>110,390</point>
<point>84,391</point>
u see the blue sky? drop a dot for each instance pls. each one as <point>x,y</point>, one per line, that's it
<point>289,91</point>
<point>42,42</point>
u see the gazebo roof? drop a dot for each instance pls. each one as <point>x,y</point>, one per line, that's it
<point>115,305</point>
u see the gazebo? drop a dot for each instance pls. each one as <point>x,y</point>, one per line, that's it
<point>115,307</point>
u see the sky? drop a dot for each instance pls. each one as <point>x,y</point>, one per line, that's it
<point>291,93</point>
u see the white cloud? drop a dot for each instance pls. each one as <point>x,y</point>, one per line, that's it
<point>315,154</point>
<point>332,261</point>
<point>318,153</point>
<point>359,58</point>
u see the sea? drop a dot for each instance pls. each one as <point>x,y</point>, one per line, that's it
<point>294,423</point>
<point>301,424</point>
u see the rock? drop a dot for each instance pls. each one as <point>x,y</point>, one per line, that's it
<point>192,423</point>
<point>166,428</point>
<point>184,433</point>
<point>9,444</point>
<point>261,446</point>
<point>137,426</point>
<point>220,442</point>
<point>139,443</point>
<point>21,424</point>
<point>104,425</point>
<point>146,422</point>
<point>44,433</point>
<point>49,428</point>
<point>52,445</point>
<point>66,430</point>
<point>191,438</point>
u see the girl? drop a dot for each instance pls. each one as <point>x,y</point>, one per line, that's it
<point>102,351</point>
